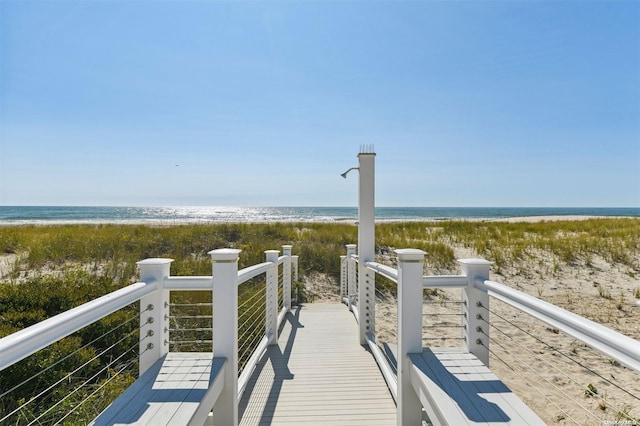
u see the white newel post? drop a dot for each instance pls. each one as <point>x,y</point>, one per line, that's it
<point>351,274</point>
<point>294,267</point>
<point>366,244</point>
<point>154,313</point>
<point>343,278</point>
<point>476,308</point>
<point>294,260</point>
<point>271,314</point>
<point>225,331</point>
<point>410,267</point>
<point>286,277</point>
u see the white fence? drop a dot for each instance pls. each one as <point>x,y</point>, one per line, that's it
<point>476,292</point>
<point>153,292</point>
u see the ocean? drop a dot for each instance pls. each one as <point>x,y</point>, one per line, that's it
<point>15,215</point>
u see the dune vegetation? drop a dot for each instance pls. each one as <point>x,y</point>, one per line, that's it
<point>49,269</point>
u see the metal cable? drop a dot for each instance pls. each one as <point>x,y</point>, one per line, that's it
<point>537,373</point>
<point>69,375</point>
<point>251,309</point>
<point>188,342</point>
<point>247,343</point>
<point>86,381</point>
<point>189,304</point>
<point>256,294</point>
<point>564,355</point>
<point>69,355</point>
<point>253,318</point>
<point>173,317</point>
<point>184,330</point>
<point>528,381</point>
<point>555,368</point>
<point>117,373</point>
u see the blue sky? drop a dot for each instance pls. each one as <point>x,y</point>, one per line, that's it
<point>468,103</point>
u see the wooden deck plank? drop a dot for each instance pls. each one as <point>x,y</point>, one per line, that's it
<point>171,392</point>
<point>462,390</point>
<point>318,374</point>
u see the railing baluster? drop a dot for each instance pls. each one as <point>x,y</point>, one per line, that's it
<point>225,331</point>
<point>271,307</point>
<point>351,274</point>
<point>286,277</point>
<point>154,313</point>
<point>475,308</point>
<point>410,264</point>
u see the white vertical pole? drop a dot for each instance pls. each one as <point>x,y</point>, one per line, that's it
<point>476,308</point>
<point>225,331</point>
<point>294,267</point>
<point>286,277</point>
<point>351,274</point>
<point>366,244</point>
<point>294,260</point>
<point>410,264</point>
<point>343,278</point>
<point>271,305</point>
<point>154,313</point>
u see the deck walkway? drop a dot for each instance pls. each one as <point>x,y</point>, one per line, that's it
<point>318,374</point>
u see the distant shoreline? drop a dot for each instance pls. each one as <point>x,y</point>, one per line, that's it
<point>164,223</point>
<point>188,215</point>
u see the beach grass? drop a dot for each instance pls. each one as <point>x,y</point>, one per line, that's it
<point>57,267</point>
<point>114,249</point>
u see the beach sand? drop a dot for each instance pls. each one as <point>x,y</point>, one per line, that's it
<point>547,369</point>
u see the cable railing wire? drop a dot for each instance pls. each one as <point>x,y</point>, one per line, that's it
<point>69,375</point>
<point>253,318</point>
<point>555,367</point>
<point>39,373</point>
<point>544,394</point>
<point>185,305</point>
<point>253,296</point>
<point>86,381</point>
<point>527,365</point>
<point>251,310</point>
<point>117,373</point>
<point>565,355</point>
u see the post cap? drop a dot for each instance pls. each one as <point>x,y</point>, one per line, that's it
<point>287,246</point>
<point>474,262</point>
<point>410,255</point>
<point>154,261</point>
<point>351,246</point>
<point>224,255</point>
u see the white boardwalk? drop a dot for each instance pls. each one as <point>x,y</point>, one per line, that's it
<point>318,374</point>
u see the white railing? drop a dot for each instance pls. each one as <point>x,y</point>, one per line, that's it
<point>153,292</point>
<point>476,289</point>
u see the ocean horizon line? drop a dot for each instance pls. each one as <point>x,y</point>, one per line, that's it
<point>220,214</point>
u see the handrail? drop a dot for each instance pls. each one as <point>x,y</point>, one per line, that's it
<point>384,270</point>
<point>445,281</point>
<point>605,340</point>
<point>188,283</point>
<point>249,272</point>
<point>23,343</point>
<point>153,290</point>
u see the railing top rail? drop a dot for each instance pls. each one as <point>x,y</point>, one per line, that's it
<point>249,272</point>
<point>445,281</point>
<point>384,270</point>
<point>609,342</point>
<point>23,343</point>
<point>188,283</point>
